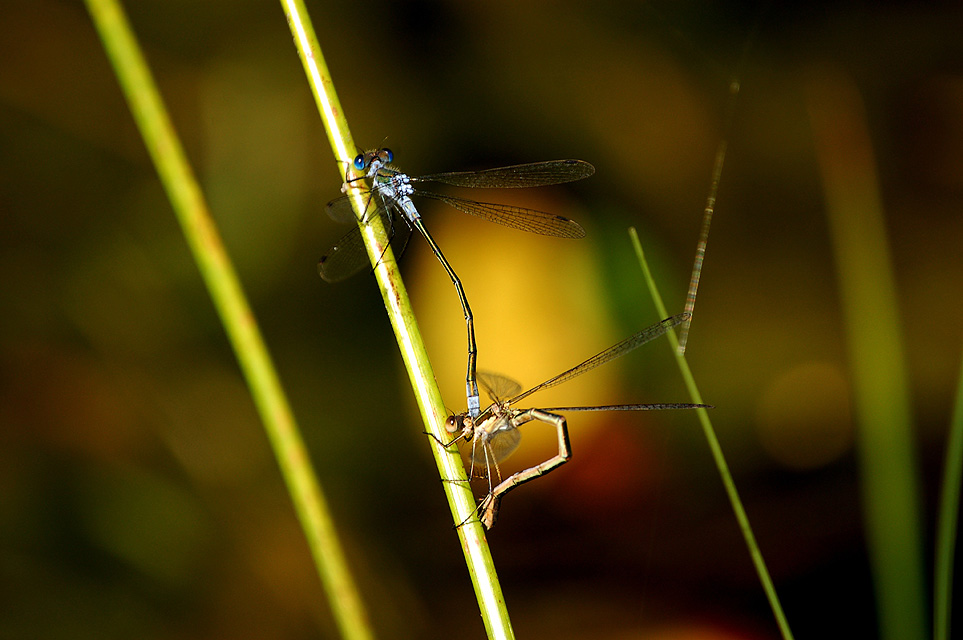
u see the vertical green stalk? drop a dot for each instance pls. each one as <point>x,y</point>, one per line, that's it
<point>948,520</point>
<point>225,289</point>
<point>430,404</point>
<point>885,447</point>
<point>757,560</point>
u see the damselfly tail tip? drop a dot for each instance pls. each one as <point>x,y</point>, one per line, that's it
<point>488,510</point>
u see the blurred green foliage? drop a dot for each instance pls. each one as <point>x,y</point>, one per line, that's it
<point>137,495</point>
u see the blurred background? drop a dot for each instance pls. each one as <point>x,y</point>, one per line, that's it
<point>138,494</point>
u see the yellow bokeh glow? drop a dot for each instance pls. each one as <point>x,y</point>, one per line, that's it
<point>804,419</point>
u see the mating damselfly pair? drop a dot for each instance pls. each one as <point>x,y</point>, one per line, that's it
<point>493,432</point>
<point>389,199</point>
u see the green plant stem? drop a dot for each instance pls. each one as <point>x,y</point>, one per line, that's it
<point>225,289</point>
<point>428,397</point>
<point>760,564</point>
<point>948,521</point>
<point>886,452</point>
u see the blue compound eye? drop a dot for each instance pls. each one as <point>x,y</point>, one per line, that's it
<point>359,161</point>
<point>386,155</point>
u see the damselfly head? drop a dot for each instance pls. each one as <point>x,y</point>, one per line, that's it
<point>454,424</point>
<point>364,160</point>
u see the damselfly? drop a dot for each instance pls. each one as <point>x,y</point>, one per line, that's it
<point>390,198</point>
<point>494,433</point>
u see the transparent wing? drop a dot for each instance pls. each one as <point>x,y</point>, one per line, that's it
<point>646,335</point>
<point>497,386</point>
<point>546,224</point>
<point>341,210</point>
<point>535,174</point>
<point>501,445</point>
<point>661,406</point>
<point>349,256</point>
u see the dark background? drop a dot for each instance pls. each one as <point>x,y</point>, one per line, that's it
<point>138,494</point>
